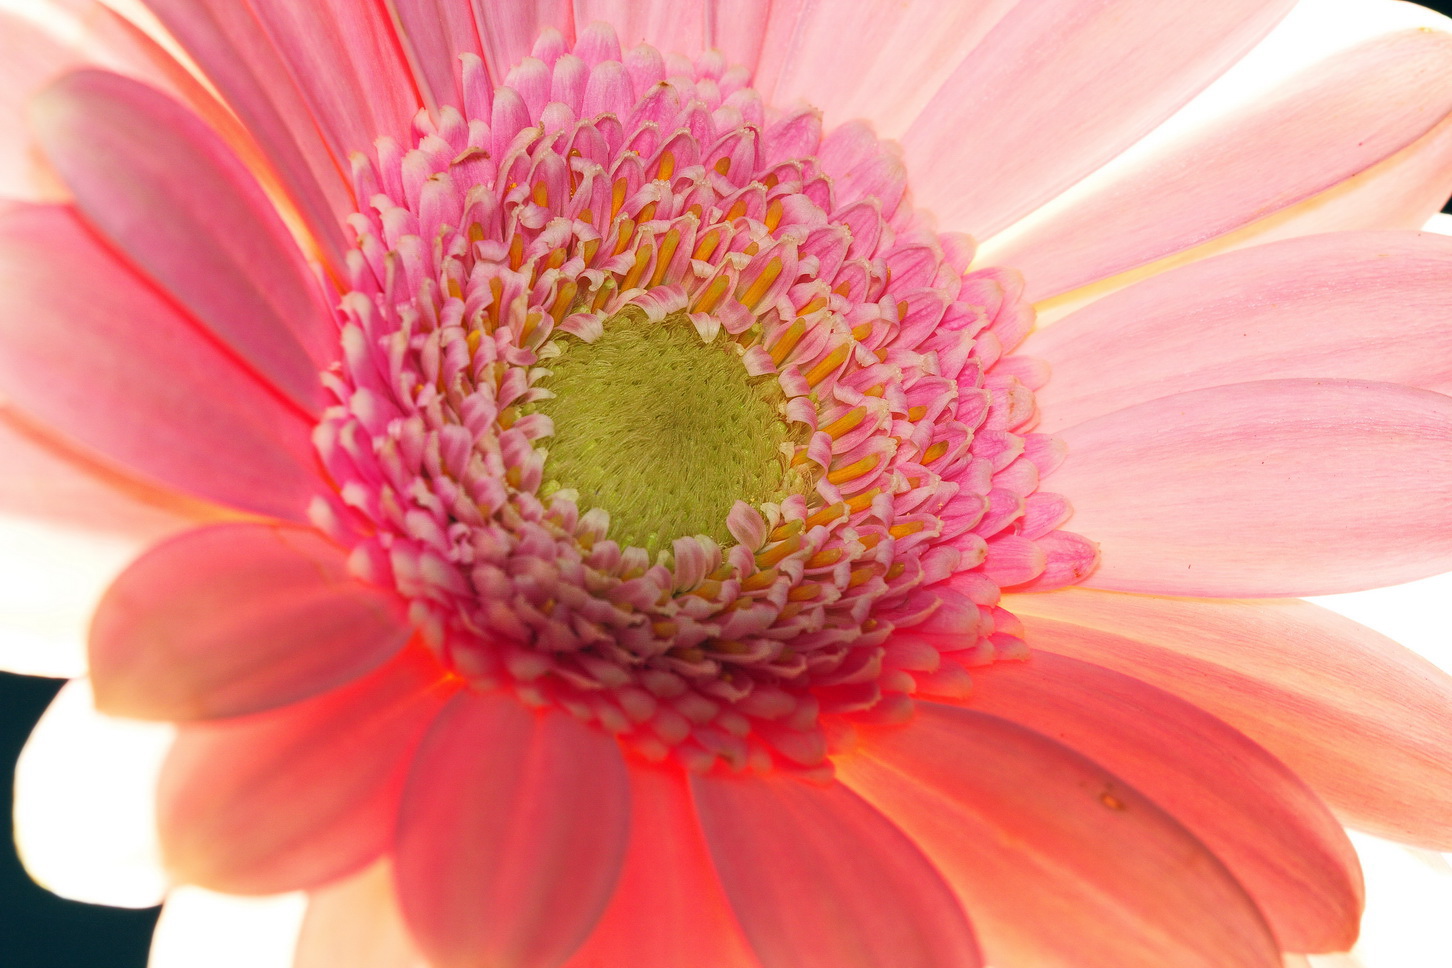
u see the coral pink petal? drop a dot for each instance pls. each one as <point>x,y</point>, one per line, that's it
<point>434,35</point>
<point>862,58</point>
<point>507,31</point>
<point>227,41</point>
<point>349,67</point>
<point>301,795</point>
<point>167,192</point>
<point>169,643</point>
<point>1366,305</point>
<point>355,923</point>
<point>1337,120</point>
<point>128,377</point>
<point>1062,863</point>
<point>674,26</point>
<point>1380,715</point>
<point>1275,488</point>
<point>47,480</point>
<point>1056,89</point>
<point>820,879</point>
<point>512,834</point>
<point>668,909</point>
<point>1274,834</point>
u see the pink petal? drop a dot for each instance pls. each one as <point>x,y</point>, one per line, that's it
<point>1366,305</point>
<point>668,909</point>
<point>167,192</point>
<point>345,59</point>
<point>170,641</point>
<point>301,795</point>
<point>1366,722</point>
<point>1061,862</point>
<point>512,834</point>
<point>1258,817</point>
<point>355,923</point>
<point>819,879</point>
<point>29,59</point>
<point>130,378</point>
<point>742,30</point>
<point>1058,88</point>
<point>434,34</point>
<point>1277,488</point>
<point>861,58</point>
<point>1333,122</point>
<point>226,40</point>
<point>508,31</point>
<point>674,26</point>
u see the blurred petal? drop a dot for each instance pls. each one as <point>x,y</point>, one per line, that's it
<point>198,927</point>
<point>169,642</point>
<point>1276,488</point>
<point>434,34</point>
<point>508,31</point>
<point>85,803</point>
<point>300,795</point>
<point>1061,863</point>
<point>510,857</point>
<point>1364,721</point>
<point>806,899</point>
<point>355,923</point>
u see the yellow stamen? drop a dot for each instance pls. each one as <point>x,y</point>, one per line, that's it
<point>854,470</point>
<point>828,365</point>
<point>850,420</point>
<point>757,290</point>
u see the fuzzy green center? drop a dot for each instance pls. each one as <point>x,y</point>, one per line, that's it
<point>662,431</point>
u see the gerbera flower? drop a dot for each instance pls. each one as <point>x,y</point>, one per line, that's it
<point>603,510</point>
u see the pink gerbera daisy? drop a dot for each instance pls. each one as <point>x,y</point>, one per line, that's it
<point>604,511</point>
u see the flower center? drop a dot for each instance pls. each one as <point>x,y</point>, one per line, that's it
<point>662,431</point>
<point>664,409</point>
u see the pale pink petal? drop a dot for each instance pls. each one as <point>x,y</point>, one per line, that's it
<point>1366,722</point>
<point>1258,817</point>
<point>347,63</point>
<point>865,59</point>
<point>668,908</point>
<point>202,928</point>
<point>1059,87</point>
<point>508,31</point>
<point>301,795</point>
<point>169,194</point>
<point>1365,305</point>
<point>85,803</point>
<point>674,26</point>
<point>512,834</point>
<point>820,879</point>
<point>1276,488</point>
<point>29,59</point>
<point>434,34</point>
<point>355,923</point>
<point>226,40</point>
<point>1061,863</point>
<point>128,377</point>
<point>1328,124</point>
<point>67,528</point>
<point>169,642</point>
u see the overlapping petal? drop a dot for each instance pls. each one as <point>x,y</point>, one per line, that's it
<point>169,643</point>
<point>132,379</point>
<point>1364,721</point>
<point>1061,862</point>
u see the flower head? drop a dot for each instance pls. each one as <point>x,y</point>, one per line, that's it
<point>616,524</point>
